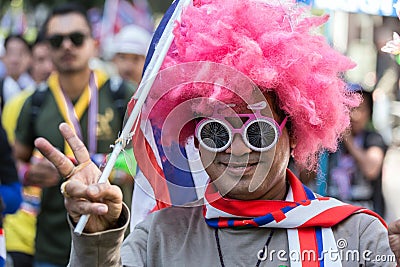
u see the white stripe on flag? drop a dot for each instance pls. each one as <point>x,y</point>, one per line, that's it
<point>329,246</point>
<point>143,200</point>
<point>199,175</point>
<point>3,251</point>
<point>302,214</point>
<point>294,248</point>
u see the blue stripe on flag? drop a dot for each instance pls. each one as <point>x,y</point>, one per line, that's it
<point>309,193</point>
<point>318,233</point>
<point>177,171</point>
<point>288,208</point>
<point>212,223</point>
<point>264,219</point>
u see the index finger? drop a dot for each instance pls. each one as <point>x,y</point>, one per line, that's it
<point>77,146</point>
<point>63,164</point>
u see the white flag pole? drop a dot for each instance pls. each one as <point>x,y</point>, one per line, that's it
<point>144,88</point>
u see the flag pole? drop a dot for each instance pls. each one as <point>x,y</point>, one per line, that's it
<point>144,88</point>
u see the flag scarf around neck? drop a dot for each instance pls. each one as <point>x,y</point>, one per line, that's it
<point>75,113</point>
<point>307,218</point>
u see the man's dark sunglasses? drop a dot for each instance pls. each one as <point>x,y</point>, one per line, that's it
<point>56,40</point>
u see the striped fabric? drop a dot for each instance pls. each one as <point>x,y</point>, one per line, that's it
<point>307,218</point>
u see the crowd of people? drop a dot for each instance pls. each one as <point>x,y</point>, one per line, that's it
<point>46,83</point>
<point>293,159</point>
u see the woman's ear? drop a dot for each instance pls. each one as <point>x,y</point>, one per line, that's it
<point>293,142</point>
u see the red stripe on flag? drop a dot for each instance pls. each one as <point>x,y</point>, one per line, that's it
<point>223,223</point>
<point>151,170</point>
<point>244,208</point>
<point>308,247</point>
<point>332,216</point>
<point>245,223</point>
<point>278,215</point>
<point>160,205</point>
<point>297,187</point>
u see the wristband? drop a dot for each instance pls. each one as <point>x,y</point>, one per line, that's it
<point>23,170</point>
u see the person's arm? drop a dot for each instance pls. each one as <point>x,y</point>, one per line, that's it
<point>374,246</point>
<point>11,197</point>
<point>99,249</point>
<point>10,187</point>
<point>369,160</point>
<point>82,193</point>
<point>394,239</point>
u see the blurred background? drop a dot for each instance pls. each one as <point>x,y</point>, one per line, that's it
<point>357,28</point>
<point>26,16</point>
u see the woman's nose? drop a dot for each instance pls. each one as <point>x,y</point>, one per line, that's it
<point>238,146</point>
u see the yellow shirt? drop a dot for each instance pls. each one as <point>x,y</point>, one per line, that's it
<point>11,111</point>
<point>20,228</point>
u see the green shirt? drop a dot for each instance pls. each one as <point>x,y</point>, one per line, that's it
<point>53,240</point>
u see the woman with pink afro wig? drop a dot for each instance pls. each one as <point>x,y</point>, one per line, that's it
<point>253,210</point>
<point>274,44</point>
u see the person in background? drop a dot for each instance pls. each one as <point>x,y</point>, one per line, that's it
<point>128,52</point>
<point>256,85</point>
<point>394,238</point>
<point>21,227</point>
<point>17,59</point>
<point>354,172</point>
<point>42,65</point>
<point>10,187</point>
<point>129,49</point>
<point>78,95</point>
<point>40,70</point>
<point>2,52</point>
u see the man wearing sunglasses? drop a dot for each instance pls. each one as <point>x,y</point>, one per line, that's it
<point>82,97</point>
<point>254,85</point>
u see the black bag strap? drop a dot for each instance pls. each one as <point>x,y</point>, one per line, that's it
<point>1,94</point>
<point>37,100</point>
<point>118,92</point>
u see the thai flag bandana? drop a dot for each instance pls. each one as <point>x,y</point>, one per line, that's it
<point>307,218</point>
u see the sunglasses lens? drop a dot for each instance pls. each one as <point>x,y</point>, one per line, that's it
<point>77,38</point>
<point>214,135</point>
<point>56,40</point>
<point>262,135</point>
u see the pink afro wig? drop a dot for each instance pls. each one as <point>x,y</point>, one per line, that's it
<point>274,44</point>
